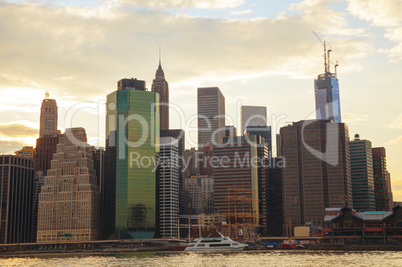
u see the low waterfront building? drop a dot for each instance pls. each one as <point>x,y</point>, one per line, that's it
<point>345,226</point>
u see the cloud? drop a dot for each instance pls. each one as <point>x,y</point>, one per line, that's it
<point>397,140</point>
<point>386,14</point>
<point>354,118</point>
<point>9,147</point>
<point>241,12</point>
<point>203,4</point>
<point>17,130</point>
<point>84,56</point>
<point>397,123</point>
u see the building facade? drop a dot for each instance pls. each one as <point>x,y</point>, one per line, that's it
<point>380,179</point>
<point>161,86</point>
<point>168,187</point>
<point>253,116</point>
<point>45,148</point>
<point>193,186</point>
<point>327,102</point>
<point>16,194</point>
<point>211,116</point>
<point>48,117</point>
<point>230,131</point>
<point>390,194</point>
<point>317,173</point>
<point>345,226</point>
<point>69,202</point>
<point>236,181</point>
<point>361,162</point>
<point>274,202</point>
<point>132,142</point>
<point>26,152</point>
<point>263,131</point>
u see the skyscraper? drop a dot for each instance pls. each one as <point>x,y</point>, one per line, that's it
<point>238,177</point>
<point>179,135</point>
<point>361,162</point>
<point>16,194</point>
<point>161,86</point>
<point>201,190</point>
<point>132,145</point>
<point>48,117</point>
<point>211,116</point>
<point>69,202</point>
<point>168,187</point>
<point>317,172</point>
<point>326,86</point>
<point>263,131</point>
<point>45,148</point>
<point>253,116</point>
<point>380,179</point>
<point>274,201</point>
<point>390,195</point>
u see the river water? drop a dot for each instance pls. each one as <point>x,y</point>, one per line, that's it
<point>221,259</point>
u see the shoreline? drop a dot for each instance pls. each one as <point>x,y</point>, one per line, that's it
<point>89,253</point>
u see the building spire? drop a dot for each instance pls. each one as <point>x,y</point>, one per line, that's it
<point>160,66</point>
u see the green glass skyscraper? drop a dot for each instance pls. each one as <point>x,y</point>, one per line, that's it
<point>132,146</point>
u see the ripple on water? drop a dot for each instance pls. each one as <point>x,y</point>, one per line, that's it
<point>221,259</point>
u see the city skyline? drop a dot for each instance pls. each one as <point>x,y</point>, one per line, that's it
<point>263,53</point>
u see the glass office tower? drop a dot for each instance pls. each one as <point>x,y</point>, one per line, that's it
<point>327,102</point>
<point>132,146</point>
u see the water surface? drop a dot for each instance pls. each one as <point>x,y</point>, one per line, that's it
<point>222,259</point>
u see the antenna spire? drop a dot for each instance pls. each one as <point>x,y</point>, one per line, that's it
<point>325,57</point>
<point>159,55</point>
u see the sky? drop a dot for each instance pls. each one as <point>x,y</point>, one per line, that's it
<point>257,52</point>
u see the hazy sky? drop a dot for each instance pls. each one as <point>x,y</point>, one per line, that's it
<point>258,52</point>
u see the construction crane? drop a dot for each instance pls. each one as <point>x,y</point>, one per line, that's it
<point>327,55</point>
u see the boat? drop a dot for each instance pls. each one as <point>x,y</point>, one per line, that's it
<point>290,244</point>
<point>216,244</point>
<point>179,245</point>
<point>271,245</point>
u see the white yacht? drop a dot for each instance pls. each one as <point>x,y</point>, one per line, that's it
<point>216,244</point>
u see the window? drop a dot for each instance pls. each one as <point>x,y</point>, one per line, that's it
<point>219,245</point>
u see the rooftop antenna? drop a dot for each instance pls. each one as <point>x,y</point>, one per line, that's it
<point>159,55</point>
<point>329,61</point>
<point>336,69</point>
<point>325,51</point>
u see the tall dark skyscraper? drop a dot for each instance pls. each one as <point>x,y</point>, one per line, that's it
<point>161,86</point>
<point>313,182</point>
<point>361,162</point>
<point>326,86</point>
<point>380,179</point>
<point>16,194</point>
<point>211,116</point>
